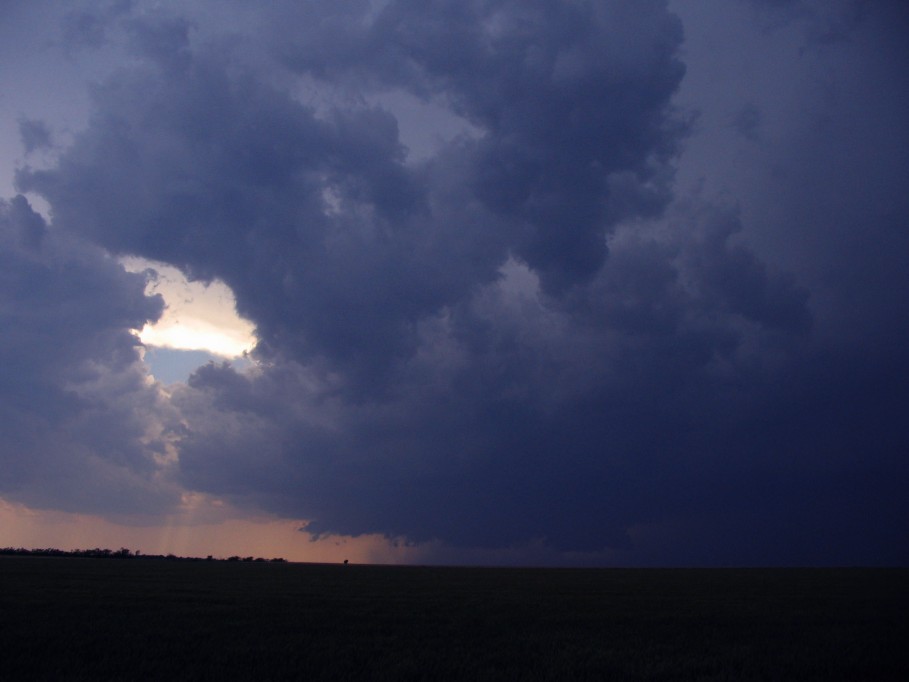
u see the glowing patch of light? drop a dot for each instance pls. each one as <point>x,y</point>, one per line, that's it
<point>196,335</point>
<point>197,316</point>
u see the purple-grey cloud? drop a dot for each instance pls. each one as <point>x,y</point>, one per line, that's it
<point>82,427</point>
<point>530,333</point>
<point>34,134</point>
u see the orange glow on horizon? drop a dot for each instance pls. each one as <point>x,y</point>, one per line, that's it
<point>267,537</point>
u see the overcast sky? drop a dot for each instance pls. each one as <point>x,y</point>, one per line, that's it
<point>524,281</point>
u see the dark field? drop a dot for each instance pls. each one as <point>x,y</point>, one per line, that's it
<point>96,619</point>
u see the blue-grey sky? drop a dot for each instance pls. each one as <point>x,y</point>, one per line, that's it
<point>530,281</point>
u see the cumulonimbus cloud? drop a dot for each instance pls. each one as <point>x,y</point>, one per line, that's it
<point>522,335</point>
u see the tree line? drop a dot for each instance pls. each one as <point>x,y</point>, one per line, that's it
<point>122,553</point>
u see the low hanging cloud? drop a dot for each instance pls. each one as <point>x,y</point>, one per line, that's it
<point>528,334</point>
<point>518,417</point>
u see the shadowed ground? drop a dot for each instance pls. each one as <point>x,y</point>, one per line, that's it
<point>91,619</point>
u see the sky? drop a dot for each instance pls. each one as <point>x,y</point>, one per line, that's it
<point>536,282</point>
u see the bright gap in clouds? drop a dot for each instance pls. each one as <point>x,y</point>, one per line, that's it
<point>199,324</point>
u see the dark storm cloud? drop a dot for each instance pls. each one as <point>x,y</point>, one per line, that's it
<point>824,22</point>
<point>524,335</point>
<point>79,421</point>
<point>34,134</point>
<point>566,94</point>
<point>747,121</point>
<point>210,163</point>
<point>216,159</point>
<point>517,418</point>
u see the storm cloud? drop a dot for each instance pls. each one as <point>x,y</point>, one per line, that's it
<point>83,429</point>
<point>531,332</point>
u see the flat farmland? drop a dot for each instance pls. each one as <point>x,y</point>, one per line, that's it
<point>134,619</point>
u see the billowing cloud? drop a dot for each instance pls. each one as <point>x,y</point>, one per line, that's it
<point>83,429</point>
<point>570,98</point>
<point>530,333</point>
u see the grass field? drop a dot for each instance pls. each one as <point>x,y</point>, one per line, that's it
<point>98,619</point>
